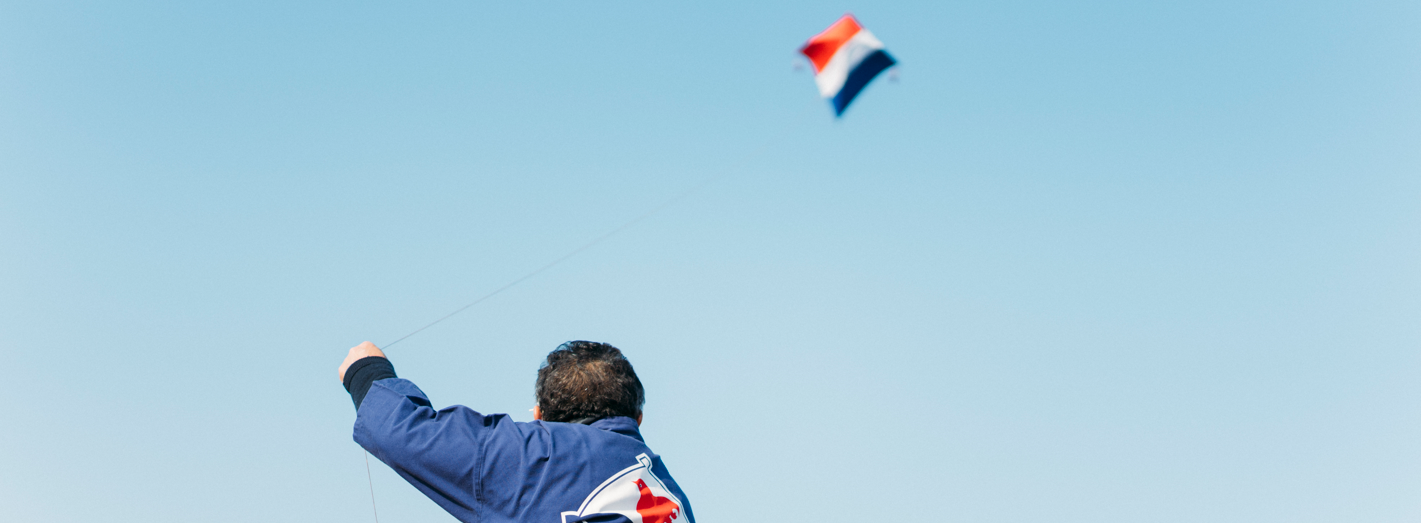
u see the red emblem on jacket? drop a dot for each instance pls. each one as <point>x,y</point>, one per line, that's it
<point>653,508</point>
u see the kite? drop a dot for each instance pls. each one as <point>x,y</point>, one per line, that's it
<point>846,58</point>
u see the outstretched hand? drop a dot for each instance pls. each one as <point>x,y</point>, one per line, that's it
<point>364,350</point>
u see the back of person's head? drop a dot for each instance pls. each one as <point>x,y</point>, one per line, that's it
<point>584,381</point>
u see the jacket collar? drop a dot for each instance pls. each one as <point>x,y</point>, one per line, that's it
<point>619,424</point>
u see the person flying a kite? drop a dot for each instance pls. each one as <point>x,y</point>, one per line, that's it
<point>582,459</point>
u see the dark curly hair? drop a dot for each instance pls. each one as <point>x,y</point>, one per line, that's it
<point>584,381</point>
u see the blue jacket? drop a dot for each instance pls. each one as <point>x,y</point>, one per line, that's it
<point>493,469</point>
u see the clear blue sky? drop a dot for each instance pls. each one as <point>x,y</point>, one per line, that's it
<point>1083,262</point>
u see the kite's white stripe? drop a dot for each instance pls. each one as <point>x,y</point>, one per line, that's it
<point>849,55</point>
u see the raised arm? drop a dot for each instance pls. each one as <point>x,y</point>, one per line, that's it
<point>436,451</point>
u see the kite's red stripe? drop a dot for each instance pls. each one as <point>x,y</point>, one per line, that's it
<point>823,46</point>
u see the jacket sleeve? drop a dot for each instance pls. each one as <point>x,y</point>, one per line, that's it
<point>439,452</point>
<point>365,372</point>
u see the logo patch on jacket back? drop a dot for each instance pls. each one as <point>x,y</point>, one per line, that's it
<point>635,493</point>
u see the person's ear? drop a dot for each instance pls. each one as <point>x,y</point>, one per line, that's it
<point>638,419</point>
<point>537,413</point>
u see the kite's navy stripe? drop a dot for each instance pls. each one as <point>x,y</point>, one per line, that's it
<point>858,78</point>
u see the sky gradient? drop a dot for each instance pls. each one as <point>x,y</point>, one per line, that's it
<point>1083,261</point>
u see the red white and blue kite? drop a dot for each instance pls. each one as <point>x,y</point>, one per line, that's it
<point>846,58</point>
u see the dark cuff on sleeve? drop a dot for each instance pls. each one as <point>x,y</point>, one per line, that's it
<point>364,373</point>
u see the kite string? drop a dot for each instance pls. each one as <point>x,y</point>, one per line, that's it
<point>755,153</point>
<point>371,480</point>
